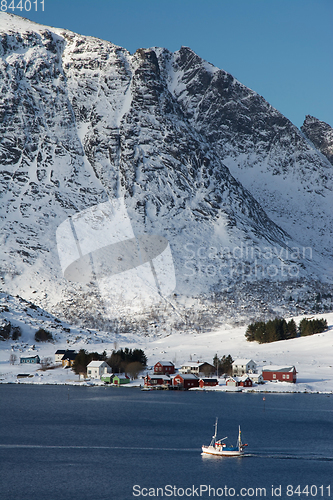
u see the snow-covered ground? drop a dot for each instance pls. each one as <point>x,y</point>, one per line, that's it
<point>312,356</point>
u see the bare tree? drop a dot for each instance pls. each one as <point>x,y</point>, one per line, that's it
<point>46,363</point>
<point>133,369</point>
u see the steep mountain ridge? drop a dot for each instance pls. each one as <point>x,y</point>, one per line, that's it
<point>261,147</point>
<point>320,134</point>
<point>84,121</point>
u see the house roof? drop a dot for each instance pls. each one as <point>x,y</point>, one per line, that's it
<point>274,368</point>
<point>187,376</point>
<point>208,379</point>
<point>121,376</point>
<point>165,363</point>
<point>71,355</point>
<point>163,377</point>
<point>195,364</point>
<point>242,361</point>
<point>60,351</point>
<point>95,364</point>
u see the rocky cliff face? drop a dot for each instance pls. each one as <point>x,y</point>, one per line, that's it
<point>199,159</point>
<point>320,134</point>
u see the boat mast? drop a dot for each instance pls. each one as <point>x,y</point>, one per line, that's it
<point>214,437</point>
<point>212,443</point>
<point>239,439</point>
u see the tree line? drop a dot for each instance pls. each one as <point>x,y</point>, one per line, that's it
<point>279,329</point>
<point>128,361</point>
<point>223,365</point>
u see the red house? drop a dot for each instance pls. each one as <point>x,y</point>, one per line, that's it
<point>208,382</point>
<point>245,381</point>
<point>280,373</point>
<point>155,380</point>
<point>185,381</point>
<point>164,367</point>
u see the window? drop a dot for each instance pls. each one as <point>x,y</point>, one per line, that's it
<point>287,376</point>
<point>283,376</point>
<point>274,375</point>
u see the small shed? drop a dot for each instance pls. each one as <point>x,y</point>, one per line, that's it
<point>185,381</point>
<point>232,382</point>
<point>279,373</point>
<point>164,367</point>
<point>120,379</point>
<point>245,381</point>
<point>30,359</point>
<point>208,382</point>
<point>107,378</point>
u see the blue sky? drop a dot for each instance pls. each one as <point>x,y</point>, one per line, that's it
<point>282,49</point>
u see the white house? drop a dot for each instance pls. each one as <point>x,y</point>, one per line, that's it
<point>59,355</point>
<point>256,378</point>
<point>242,365</point>
<point>96,369</point>
<point>197,368</point>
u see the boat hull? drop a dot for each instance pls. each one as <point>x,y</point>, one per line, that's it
<point>220,452</point>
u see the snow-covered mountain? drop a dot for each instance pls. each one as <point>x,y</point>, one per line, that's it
<point>320,134</point>
<point>242,197</point>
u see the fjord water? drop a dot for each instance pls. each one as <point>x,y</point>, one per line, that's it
<point>60,442</point>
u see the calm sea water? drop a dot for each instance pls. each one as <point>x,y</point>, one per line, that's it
<point>112,443</point>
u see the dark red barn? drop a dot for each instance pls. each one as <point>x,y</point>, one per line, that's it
<point>185,381</point>
<point>208,382</point>
<point>280,373</point>
<point>156,380</point>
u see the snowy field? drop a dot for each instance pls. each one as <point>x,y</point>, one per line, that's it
<point>312,356</point>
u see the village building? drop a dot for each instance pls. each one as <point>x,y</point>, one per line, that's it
<point>243,381</point>
<point>157,380</point>
<point>232,382</point>
<point>107,378</point>
<point>257,378</point>
<point>95,369</point>
<point>279,373</point>
<point>208,382</point>
<point>68,358</point>
<point>59,355</point>
<point>185,381</point>
<point>198,368</point>
<point>30,359</point>
<point>120,379</point>
<point>242,365</point>
<point>164,367</point>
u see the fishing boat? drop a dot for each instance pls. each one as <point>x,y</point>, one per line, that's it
<point>220,448</point>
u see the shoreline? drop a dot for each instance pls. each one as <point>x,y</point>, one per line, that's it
<point>219,389</point>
